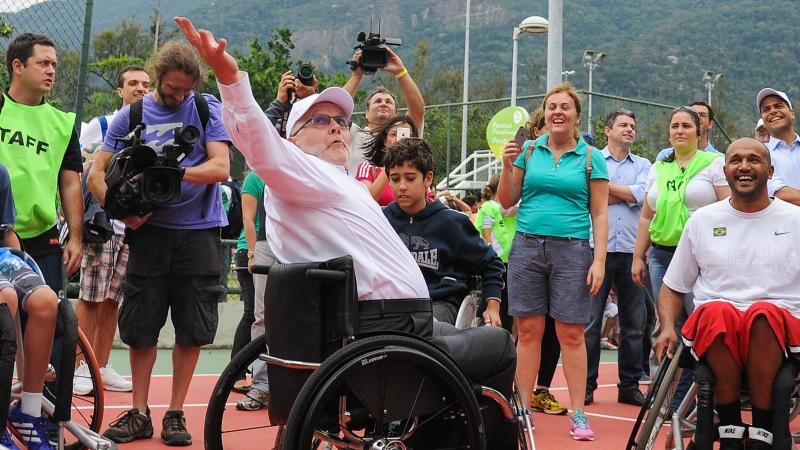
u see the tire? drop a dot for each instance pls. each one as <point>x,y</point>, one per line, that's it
<point>436,391</point>
<point>216,427</point>
<point>660,411</point>
<point>87,410</point>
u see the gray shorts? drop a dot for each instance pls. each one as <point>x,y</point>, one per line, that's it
<point>547,275</point>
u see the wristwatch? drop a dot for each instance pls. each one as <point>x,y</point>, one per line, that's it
<point>251,254</point>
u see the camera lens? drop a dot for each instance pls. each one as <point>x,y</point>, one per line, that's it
<point>187,135</point>
<point>305,73</point>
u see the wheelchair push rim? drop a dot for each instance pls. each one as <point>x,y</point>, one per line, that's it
<point>415,395</point>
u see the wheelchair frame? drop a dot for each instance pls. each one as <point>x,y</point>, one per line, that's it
<point>59,410</point>
<point>511,409</point>
<point>684,419</point>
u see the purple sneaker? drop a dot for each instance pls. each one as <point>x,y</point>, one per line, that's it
<point>579,427</point>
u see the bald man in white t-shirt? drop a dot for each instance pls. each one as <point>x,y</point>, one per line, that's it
<point>734,255</point>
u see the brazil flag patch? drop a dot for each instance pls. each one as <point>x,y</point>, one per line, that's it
<point>720,231</point>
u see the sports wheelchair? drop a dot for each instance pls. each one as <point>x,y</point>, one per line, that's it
<point>75,420</point>
<point>334,387</point>
<point>694,420</point>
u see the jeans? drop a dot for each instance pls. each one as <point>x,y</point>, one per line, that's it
<point>632,311</point>
<point>659,262</point>
<point>242,335</point>
<point>263,257</point>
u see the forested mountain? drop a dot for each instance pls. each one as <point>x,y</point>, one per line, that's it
<point>657,49</point>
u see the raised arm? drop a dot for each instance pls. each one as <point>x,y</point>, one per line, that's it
<point>411,93</point>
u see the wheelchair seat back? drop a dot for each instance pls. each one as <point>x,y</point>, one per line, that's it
<point>307,318</point>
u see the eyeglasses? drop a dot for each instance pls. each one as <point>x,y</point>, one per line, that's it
<point>322,120</point>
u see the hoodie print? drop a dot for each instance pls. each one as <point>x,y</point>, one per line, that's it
<point>421,251</point>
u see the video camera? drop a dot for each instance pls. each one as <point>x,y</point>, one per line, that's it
<point>141,179</point>
<point>373,51</point>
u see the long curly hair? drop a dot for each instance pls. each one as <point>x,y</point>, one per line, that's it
<point>376,146</point>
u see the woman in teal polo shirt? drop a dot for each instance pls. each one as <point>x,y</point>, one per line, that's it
<point>552,269</point>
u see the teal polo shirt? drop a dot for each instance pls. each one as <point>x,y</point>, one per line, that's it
<point>555,197</point>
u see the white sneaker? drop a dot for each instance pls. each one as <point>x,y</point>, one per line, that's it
<point>112,381</point>
<point>82,381</point>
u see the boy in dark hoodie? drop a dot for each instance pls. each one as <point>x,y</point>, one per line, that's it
<point>445,244</point>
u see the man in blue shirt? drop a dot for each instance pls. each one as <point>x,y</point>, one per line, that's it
<point>706,114</point>
<point>783,145</point>
<point>627,175</point>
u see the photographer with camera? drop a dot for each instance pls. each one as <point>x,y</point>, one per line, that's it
<point>103,263</point>
<point>174,238</point>
<point>291,88</point>
<point>381,103</point>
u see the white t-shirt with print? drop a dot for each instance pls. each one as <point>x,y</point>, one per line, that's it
<point>741,258</point>
<point>700,190</point>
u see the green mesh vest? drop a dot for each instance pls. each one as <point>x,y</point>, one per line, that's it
<point>33,141</point>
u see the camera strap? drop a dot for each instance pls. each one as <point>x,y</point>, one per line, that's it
<point>200,103</point>
<point>137,110</point>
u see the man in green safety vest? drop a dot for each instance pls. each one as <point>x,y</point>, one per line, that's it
<point>39,146</point>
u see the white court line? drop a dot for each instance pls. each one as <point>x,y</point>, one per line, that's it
<point>606,416</point>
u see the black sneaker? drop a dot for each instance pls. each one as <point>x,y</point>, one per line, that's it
<point>631,397</point>
<point>589,399</point>
<point>174,429</point>
<point>129,426</point>
<point>758,439</point>
<point>730,437</point>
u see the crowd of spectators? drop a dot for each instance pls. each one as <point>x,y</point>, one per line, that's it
<point>560,227</point>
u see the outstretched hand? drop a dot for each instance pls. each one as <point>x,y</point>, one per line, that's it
<point>212,52</point>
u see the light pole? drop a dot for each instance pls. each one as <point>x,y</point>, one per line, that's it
<point>591,60</point>
<point>533,24</point>
<point>555,41</point>
<point>566,74</point>
<point>710,79</point>
<point>465,95</point>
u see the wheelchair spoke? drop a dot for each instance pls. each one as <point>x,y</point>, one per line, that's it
<point>413,405</point>
<point>237,430</point>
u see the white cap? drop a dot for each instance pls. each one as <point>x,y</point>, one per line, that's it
<point>335,95</point>
<point>759,124</point>
<point>766,92</point>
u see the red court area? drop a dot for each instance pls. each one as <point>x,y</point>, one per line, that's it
<point>611,421</point>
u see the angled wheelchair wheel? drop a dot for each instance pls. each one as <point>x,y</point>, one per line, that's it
<point>224,425</point>
<point>387,391</point>
<point>659,411</point>
<point>86,410</point>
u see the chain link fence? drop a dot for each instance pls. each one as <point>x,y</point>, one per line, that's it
<point>64,22</point>
<point>443,131</point>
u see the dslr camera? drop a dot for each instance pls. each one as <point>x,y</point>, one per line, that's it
<point>373,52</point>
<point>305,73</point>
<point>141,179</point>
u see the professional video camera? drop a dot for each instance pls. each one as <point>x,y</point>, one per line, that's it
<point>373,51</point>
<point>141,179</point>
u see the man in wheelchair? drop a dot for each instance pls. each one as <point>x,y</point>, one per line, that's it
<point>445,244</point>
<point>739,257</point>
<point>21,285</point>
<point>315,211</point>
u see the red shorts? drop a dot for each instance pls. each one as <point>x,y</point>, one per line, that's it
<point>715,318</point>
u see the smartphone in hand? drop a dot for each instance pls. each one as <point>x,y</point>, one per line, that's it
<point>523,134</point>
<point>403,133</point>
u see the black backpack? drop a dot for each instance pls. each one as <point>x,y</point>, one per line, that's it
<point>234,212</point>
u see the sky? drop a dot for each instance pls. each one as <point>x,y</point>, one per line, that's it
<point>16,5</point>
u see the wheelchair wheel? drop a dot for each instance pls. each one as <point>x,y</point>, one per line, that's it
<point>222,429</point>
<point>659,411</point>
<point>386,391</point>
<point>87,410</point>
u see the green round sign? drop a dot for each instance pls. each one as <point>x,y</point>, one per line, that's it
<point>503,127</point>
